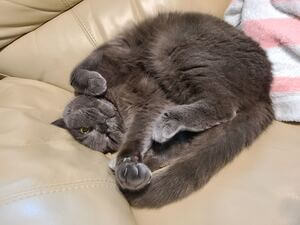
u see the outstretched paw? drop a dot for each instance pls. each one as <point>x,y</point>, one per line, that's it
<point>132,175</point>
<point>165,128</point>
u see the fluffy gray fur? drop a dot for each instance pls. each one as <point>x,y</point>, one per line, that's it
<point>178,96</point>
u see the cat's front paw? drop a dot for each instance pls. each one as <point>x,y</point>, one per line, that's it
<point>88,82</point>
<point>132,175</point>
<point>96,84</point>
<point>166,127</point>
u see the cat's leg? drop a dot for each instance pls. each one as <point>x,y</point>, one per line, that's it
<point>131,173</point>
<point>195,117</point>
<point>188,165</point>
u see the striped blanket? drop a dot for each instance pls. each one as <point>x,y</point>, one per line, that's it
<point>275,25</point>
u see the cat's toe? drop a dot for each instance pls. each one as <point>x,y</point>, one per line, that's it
<point>165,128</point>
<point>132,176</point>
<point>96,85</point>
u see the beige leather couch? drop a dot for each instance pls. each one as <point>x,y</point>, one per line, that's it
<point>47,178</point>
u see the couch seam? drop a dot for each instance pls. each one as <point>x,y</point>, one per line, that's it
<point>4,75</point>
<point>78,182</point>
<point>40,24</point>
<point>65,3</point>
<point>137,10</point>
<point>34,8</point>
<point>88,34</point>
<point>45,82</point>
<point>86,31</point>
<point>51,190</point>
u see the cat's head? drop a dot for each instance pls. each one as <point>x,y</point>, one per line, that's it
<point>93,122</point>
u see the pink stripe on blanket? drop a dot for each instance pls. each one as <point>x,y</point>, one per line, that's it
<point>274,32</point>
<point>286,84</point>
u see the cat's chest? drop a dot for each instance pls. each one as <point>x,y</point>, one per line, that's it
<point>137,92</point>
<point>138,95</point>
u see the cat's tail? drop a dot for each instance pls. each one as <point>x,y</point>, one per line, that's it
<point>194,169</point>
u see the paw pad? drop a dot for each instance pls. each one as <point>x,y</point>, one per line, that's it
<point>132,175</point>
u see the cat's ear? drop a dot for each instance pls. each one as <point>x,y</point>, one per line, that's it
<point>60,123</point>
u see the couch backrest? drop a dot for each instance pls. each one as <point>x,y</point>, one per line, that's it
<point>44,40</point>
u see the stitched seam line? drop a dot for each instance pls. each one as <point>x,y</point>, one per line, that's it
<point>15,38</point>
<point>65,3</point>
<point>44,82</point>
<point>79,182</point>
<point>64,188</point>
<point>31,7</point>
<point>4,74</point>
<point>86,31</point>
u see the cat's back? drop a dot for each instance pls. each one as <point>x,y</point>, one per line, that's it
<point>170,29</point>
<point>183,50</point>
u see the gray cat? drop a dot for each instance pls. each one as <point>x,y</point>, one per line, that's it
<point>178,96</point>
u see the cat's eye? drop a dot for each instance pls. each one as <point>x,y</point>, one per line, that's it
<point>85,130</point>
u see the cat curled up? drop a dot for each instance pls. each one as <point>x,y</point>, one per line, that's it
<point>178,96</point>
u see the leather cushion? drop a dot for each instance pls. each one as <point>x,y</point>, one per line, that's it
<point>46,176</point>
<point>18,17</point>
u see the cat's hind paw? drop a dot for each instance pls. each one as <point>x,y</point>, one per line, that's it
<point>132,176</point>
